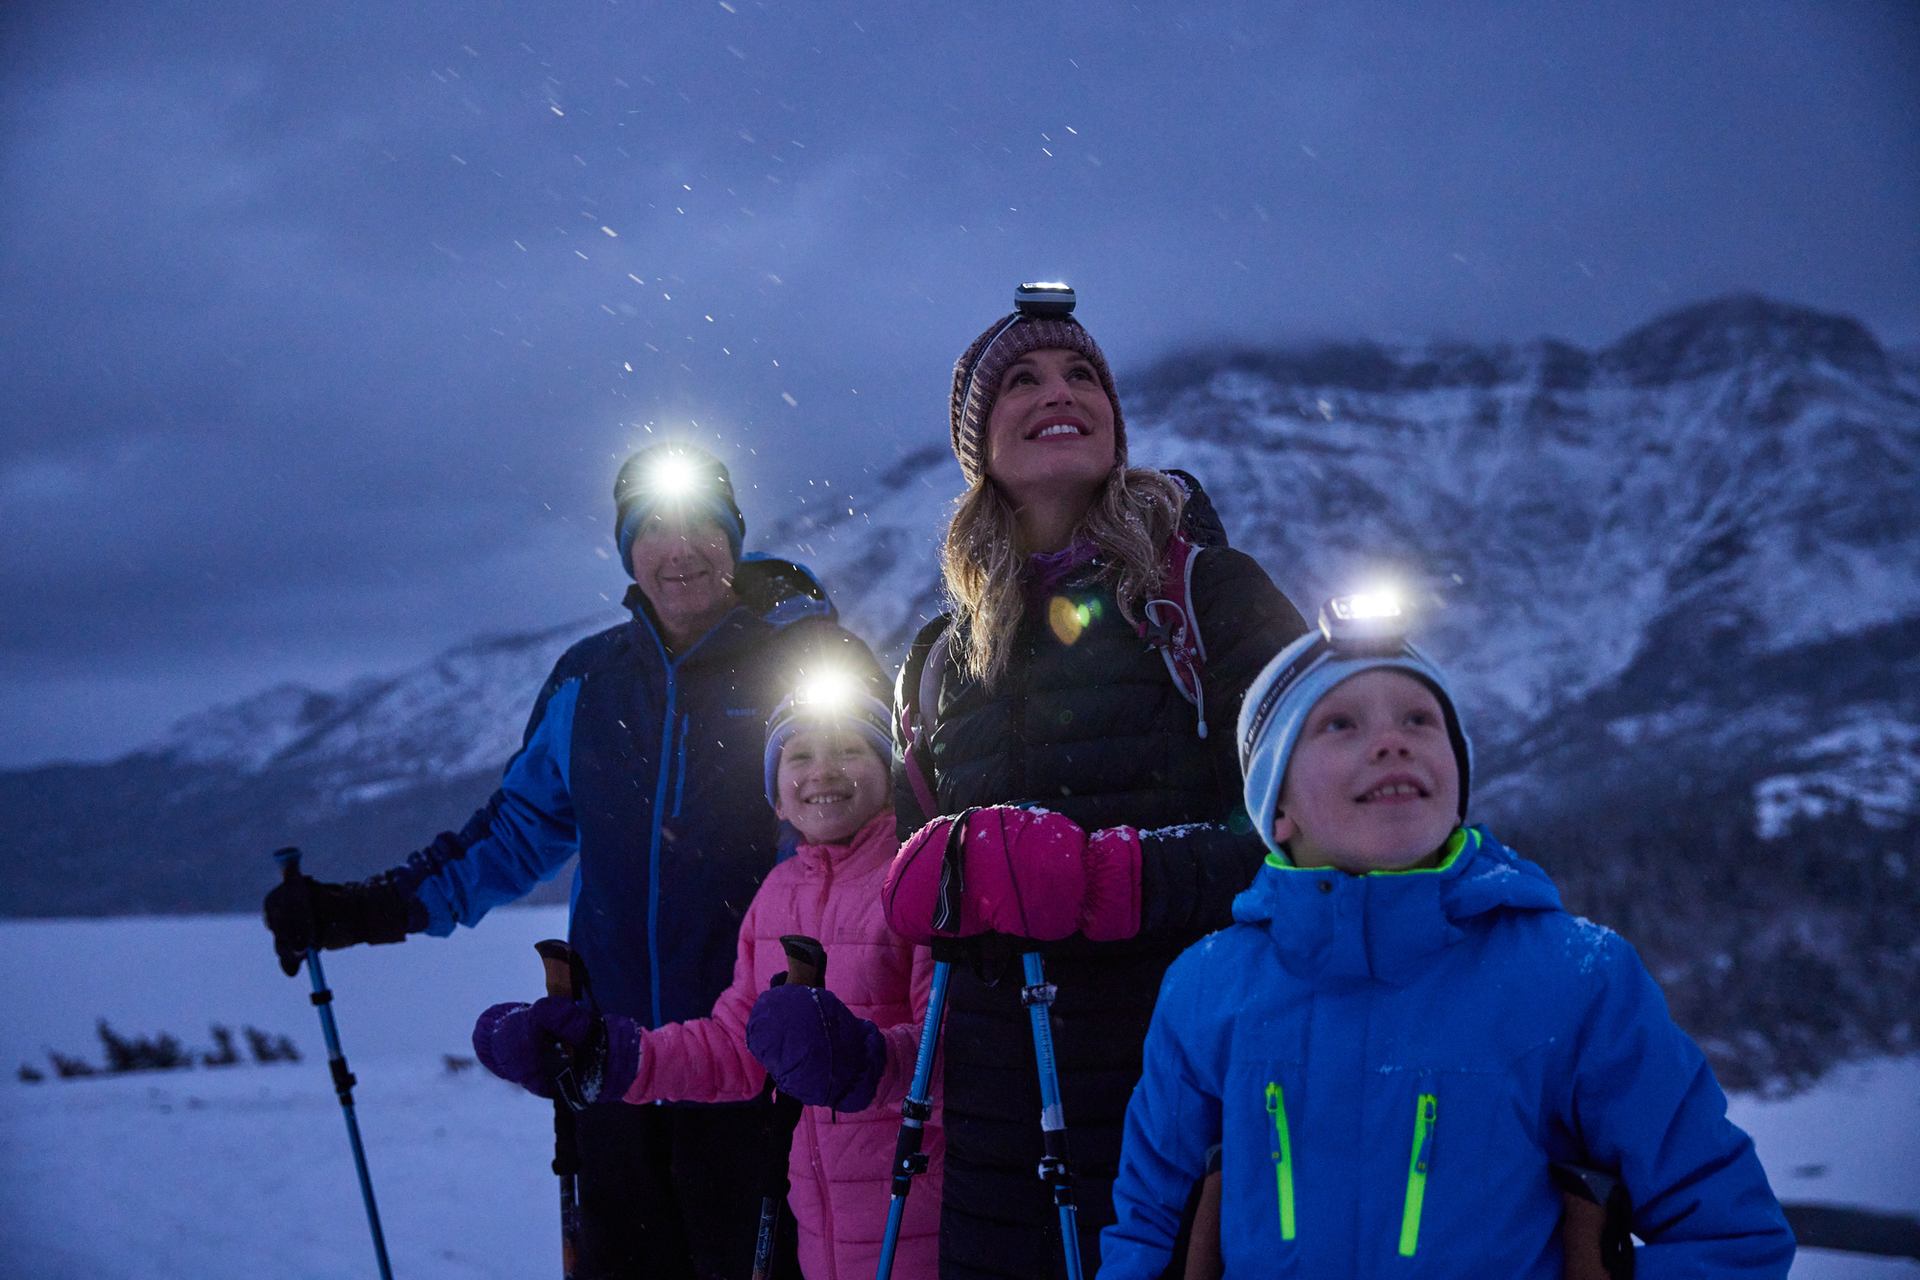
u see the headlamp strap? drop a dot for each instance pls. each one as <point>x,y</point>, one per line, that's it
<point>1263,712</point>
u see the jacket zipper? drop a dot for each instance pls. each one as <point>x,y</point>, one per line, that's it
<point>1282,1156</point>
<point>680,787</point>
<point>663,775</point>
<point>1426,1111</point>
<point>826,1193</point>
<point>664,772</point>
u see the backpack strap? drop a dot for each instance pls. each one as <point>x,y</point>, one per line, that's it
<point>1169,623</point>
<point>918,698</point>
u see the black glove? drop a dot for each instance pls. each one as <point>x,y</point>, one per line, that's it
<point>304,913</point>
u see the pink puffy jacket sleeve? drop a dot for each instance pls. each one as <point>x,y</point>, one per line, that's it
<point>706,1059</point>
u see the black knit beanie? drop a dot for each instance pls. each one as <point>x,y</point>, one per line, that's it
<point>708,489</point>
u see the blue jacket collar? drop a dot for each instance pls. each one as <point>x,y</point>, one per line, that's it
<point>1385,925</point>
<point>773,593</point>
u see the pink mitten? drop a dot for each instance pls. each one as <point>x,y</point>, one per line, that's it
<point>910,898</point>
<point>1111,909</point>
<point>1027,873</point>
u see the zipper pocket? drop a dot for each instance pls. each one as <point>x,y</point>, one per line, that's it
<point>1426,1112</point>
<point>1282,1157</point>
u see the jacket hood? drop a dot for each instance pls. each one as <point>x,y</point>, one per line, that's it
<point>780,591</point>
<point>1384,925</point>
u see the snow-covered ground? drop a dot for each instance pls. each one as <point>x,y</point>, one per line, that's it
<point>245,1170</point>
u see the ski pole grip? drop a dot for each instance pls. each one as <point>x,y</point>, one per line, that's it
<point>806,959</point>
<point>556,957</point>
<point>289,862</point>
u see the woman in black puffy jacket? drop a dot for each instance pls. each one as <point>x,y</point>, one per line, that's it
<point>1068,679</point>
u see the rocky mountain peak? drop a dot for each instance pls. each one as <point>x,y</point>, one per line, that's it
<point>1732,332</point>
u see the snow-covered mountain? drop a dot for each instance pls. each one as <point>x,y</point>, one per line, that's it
<point>1676,579</point>
<point>459,714</point>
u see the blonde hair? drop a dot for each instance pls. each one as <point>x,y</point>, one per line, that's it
<point>1128,522</point>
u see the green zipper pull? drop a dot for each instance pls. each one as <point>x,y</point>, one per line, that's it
<point>1426,1112</point>
<point>1282,1156</point>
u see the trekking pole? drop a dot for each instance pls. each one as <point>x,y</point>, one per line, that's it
<point>806,967</point>
<point>917,1109</point>
<point>322,997</point>
<point>567,978</point>
<point>908,1158</point>
<point>1055,1170</point>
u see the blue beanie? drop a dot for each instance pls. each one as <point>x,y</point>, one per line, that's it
<point>805,708</point>
<point>1277,703</point>
<point>701,485</point>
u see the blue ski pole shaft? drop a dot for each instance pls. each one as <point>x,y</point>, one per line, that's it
<point>1055,1169</point>
<point>343,1081</point>
<point>908,1158</point>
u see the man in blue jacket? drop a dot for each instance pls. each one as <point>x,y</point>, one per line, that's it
<point>642,756</point>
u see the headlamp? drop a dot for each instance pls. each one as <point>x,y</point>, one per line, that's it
<point>830,696</point>
<point>1037,300</point>
<point>827,692</point>
<point>674,475</point>
<point>1361,632</point>
<point>1365,622</point>
<point>1045,299</point>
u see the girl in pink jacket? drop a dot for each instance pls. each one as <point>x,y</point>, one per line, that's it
<point>827,775</point>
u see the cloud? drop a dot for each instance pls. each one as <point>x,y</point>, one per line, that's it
<point>350,311</point>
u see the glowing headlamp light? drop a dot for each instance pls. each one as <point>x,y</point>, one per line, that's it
<point>1366,622</point>
<point>675,475</point>
<point>826,693</point>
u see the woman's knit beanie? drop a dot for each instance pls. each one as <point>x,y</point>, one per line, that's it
<point>976,381</point>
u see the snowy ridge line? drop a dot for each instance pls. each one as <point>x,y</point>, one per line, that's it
<point>1588,514</point>
<point>455,713</point>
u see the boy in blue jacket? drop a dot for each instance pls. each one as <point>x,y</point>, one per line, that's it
<point>1404,1029</point>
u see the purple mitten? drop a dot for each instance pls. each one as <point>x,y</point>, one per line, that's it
<point>517,1042</point>
<point>506,1043</point>
<point>815,1048</point>
<point>610,1059</point>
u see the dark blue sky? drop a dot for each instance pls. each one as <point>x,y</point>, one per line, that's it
<point>326,325</point>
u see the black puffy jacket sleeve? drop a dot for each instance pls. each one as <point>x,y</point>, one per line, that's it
<point>1190,873</point>
<point>911,759</point>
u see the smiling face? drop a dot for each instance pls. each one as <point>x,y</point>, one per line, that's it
<point>1050,433</point>
<point>1373,784</point>
<point>829,783</point>
<point>684,564</point>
